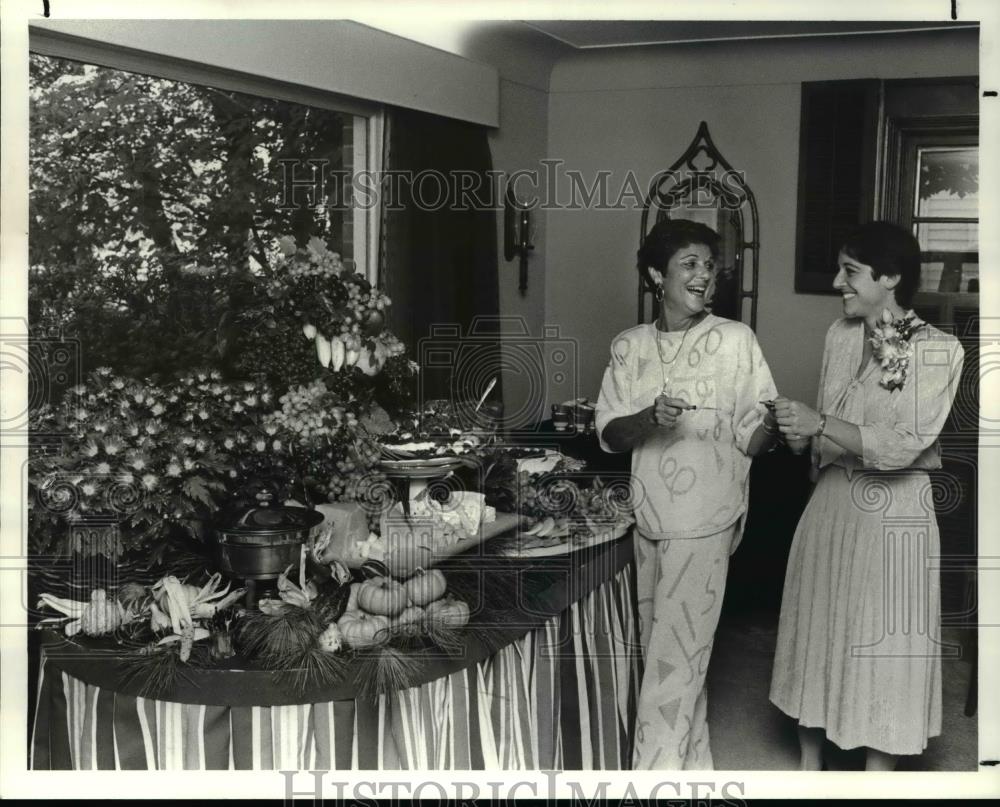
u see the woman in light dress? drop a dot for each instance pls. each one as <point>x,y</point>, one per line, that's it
<point>684,395</point>
<point>858,656</point>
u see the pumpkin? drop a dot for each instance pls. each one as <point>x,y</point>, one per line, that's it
<point>359,629</point>
<point>425,586</point>
<point>352,599</point>
<point>383,596</point>
<point>411,621</point>
<point>407,546</point>
<point>448,612</point>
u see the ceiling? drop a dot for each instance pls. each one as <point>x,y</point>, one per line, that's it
<point>584,34</point>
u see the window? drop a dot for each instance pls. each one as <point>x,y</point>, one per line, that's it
<point>930,185</point>
<point>903,150</point>
<point>151,198</point>
<point>940,201</point>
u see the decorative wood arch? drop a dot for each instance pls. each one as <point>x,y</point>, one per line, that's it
<point>703,180</point>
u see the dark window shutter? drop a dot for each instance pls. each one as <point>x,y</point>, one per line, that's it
<point>837,148</point>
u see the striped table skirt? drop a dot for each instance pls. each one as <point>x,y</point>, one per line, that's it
<point>562,697</point>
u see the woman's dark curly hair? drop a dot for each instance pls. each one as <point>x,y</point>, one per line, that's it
<point>669,236</point>
<point>890,251</point>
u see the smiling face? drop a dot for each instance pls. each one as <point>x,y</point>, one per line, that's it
<point>688,281</point>
<point>863,294</point>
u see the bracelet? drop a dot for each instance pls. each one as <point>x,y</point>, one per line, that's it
<point>822,426</point>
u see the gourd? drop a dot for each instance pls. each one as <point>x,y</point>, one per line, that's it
<point>383,596</point>
<point>338,351</point>
<point>362,630</point>
<point>323,350</point>
<point>448,612</point>
<point>425,586</point>
<point>411,621</point>
<point>352,598</point>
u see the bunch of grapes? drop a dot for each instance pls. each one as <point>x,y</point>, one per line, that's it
<point>280,354</point>
<point>367,486</point>
<point>313,414</point>
<point>315,261</point>
<point>363,309</point>
<point>340,482</point>
<point>312,286</point>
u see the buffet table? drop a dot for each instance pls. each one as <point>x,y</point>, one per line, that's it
<point>551,683</point>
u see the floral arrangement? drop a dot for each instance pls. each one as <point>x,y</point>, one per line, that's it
<point>156,458</point>
<point>147,457</point>
<point>334,442</point>
<point>313,315</point>
<point>160,459</point>
<point>890,341</point>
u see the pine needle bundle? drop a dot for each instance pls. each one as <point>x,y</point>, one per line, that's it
<point>314,668</point>
<point>279,638</point>
<point>448,638</point>
<point>155,670</point>
<point>386,669</point>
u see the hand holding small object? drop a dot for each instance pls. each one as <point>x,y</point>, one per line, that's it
<point>796,420</point>
<point>666,410</point>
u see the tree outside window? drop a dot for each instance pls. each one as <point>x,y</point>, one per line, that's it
<point>154,203</point>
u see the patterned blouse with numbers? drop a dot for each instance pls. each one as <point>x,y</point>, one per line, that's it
<point>692,480</point>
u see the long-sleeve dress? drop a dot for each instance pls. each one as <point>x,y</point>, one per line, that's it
<point>858,651</point>
<point>690,486</point>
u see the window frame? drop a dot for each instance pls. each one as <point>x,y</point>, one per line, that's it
<point>368,116</point>
<point>904,136</point>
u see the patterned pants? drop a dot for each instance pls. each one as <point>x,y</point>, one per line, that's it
<point>680,585</point>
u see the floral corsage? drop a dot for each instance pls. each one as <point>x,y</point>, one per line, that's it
<point>890,340</point>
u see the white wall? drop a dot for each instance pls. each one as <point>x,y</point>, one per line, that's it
<point>638,109</point>
<point>518,144</point>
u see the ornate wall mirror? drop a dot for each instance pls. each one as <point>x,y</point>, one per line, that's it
<point>704,187</point>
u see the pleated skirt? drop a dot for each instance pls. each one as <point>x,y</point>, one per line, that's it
<point>858,650</point>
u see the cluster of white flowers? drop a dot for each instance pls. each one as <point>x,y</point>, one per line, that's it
<point>890,342</point>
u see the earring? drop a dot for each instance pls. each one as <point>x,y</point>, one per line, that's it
<point>659,293</point>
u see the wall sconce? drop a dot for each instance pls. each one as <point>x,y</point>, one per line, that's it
<point>517,234</point>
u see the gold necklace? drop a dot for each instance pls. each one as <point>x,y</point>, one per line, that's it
<point>663,361</point>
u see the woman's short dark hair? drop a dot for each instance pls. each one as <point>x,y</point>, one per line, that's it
<point>667,237</point>
<point>890,251</point>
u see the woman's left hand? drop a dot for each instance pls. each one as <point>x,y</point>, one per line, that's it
<point>795,419</point>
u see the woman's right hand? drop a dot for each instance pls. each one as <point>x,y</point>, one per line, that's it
<point>666,410</point>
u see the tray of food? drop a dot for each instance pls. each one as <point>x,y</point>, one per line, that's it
<point>430,532</point>
<point>562,539</point>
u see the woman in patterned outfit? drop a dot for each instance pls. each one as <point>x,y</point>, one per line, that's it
<point>683,394</point>
<point>858,653</point>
